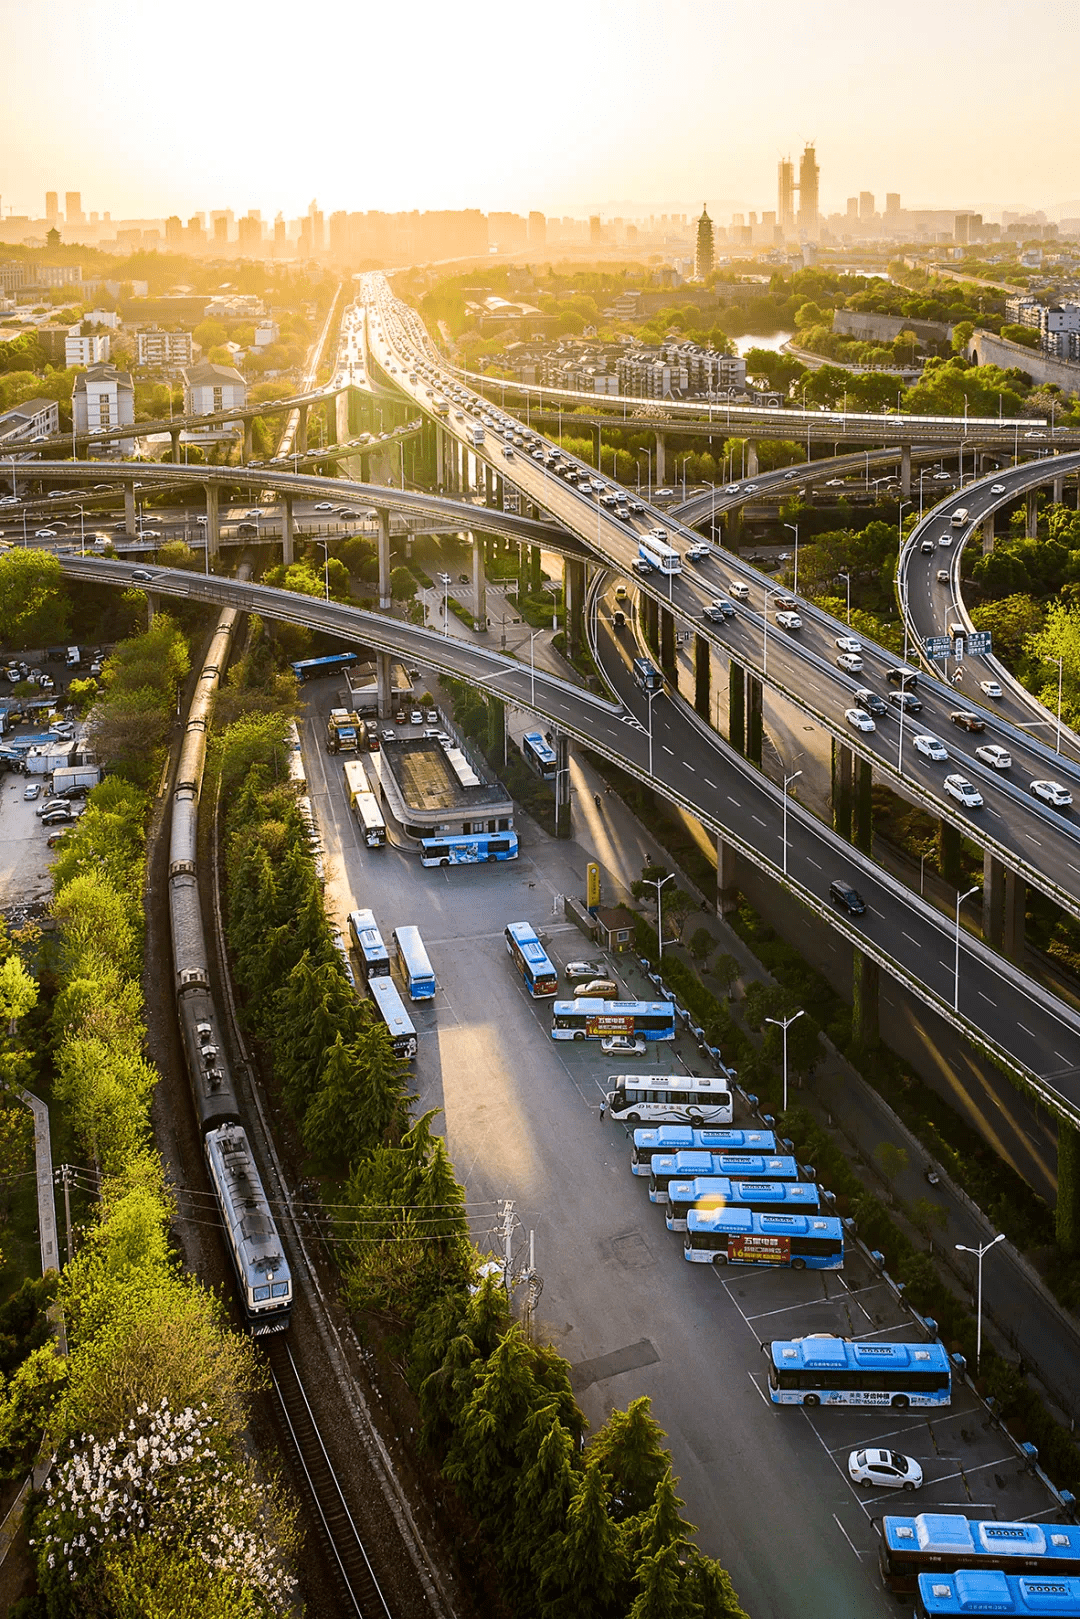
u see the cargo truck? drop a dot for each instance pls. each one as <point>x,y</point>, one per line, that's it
<point>345,731</point>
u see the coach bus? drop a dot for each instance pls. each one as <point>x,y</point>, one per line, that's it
<point>743,1237</point>
<point>367,941</point>
<point>981,1591</point>
<point>369,819</point>
<point>852,1371</point>
<point>468,849</point>
<point>648,675</point>
<point>539,755</point>
<point>669,1098</point>
<point>658,554</point>
<point>693,1165</point>
<point>938,1542</point>
<point>531,960</point>
<point>592,1019</point>
<point>717,1191</point>
<point>666,1138</point>
<point>412,958</point>
<point>391,1009</point>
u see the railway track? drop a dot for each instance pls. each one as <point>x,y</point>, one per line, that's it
<point>343,1545</point>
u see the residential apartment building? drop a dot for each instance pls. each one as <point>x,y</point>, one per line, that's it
<point>34,418</point>
<point>86,348</point>
<point>211,388</point>
<point>104,398</point>
<point>164,351</point>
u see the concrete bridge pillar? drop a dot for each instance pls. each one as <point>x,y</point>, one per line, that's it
<point>489,485</point>
<point>987,536</point>
<point>737,706</point>
<point>652,624</point>
<point>702,675</point>
<point>862,804</point>
<point>727,893</point>
<point>1067,1210</point>
<point>949,852</point>
<point>151,608</point>
<point>574,603</point>
<point>130,523</point>
<point>288,532</point>
<point>842,771</point>
<point>754,727</point>
<point>384,559</point>
<point>301,429</point>
<point>865,987</point>
<point>751,458</point>
<point>174,435</point>
<point>246,452</point>
<point>479,579</point>
<point>536,571</point>
<point>1059,490</point>
<point>1032,527</point>
<point>1004,905</point>
<point>905,469</point>
<point>440,456</point>
<point>661,460</point>
<point>667,643</point>
<point>563,828</point>
<point>213,527</point>
<point>384,693</point>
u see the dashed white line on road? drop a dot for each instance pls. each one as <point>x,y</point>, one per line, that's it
<point>689,767</point>
<point>668,750</point>
<point>1026,1030</point>
<point>987,999</point>
<point>734,801</point>
<point>813,863</point>
<point>707,782</point>
<point>758,819</point>
<point>908,937</point>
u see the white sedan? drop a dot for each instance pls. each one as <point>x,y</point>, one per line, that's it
<point>789,621</point>
<point>847,643</point>
<point>323,506</point>
<point>884,1470</point>
<point>45,534</point>
<point>860,719</point>
<point>1052,792</point>
<point>997,488</point>
<point>623,1045</point>
<point>964,791</point>
<point>930,747</point>
<point>990,688</point>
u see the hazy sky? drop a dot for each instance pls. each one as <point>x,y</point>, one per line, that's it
<point>149,108</point>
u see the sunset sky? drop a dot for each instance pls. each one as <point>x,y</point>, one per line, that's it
<point>636,105</point>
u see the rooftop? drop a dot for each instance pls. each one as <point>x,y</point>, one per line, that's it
<point>427,781</point>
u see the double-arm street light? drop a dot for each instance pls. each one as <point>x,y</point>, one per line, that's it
<point>659,883</point>
<point>960,898</point>
<point>794,527</point>
<point>787,783</point>
<point>978,1254</point>
<point>784,1023</point>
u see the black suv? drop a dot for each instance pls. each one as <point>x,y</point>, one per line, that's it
<point>870,700</point>
<point>849,899</point>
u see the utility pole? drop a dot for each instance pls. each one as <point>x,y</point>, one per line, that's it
<point>507,1229</point>
<point>64,1175</point>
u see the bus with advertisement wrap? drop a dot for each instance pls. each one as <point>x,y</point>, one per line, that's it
<point>743,1237</point>
<point>936,1542</point>
<point>822,1370</point>
<point>589,1019</point>
<point>668,1138</point>
<point>670,1098</point>
<point>717,1191</point>
<point>531,959</point>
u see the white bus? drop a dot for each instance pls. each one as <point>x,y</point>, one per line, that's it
<point>415,966</point>
<point>659,554</point>
<point>670,1098</point>
<point>369,818</point>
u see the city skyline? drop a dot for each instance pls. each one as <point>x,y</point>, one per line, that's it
<point>375,140</point>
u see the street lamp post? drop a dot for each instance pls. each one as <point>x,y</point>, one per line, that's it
<point>846,577</point>
<point>794,527</point>
<point>532,665</point>
<point>1060,666</point>
<point>787,783</point>
<point>979,1254</point>
<point>650,698</point>
<point>659,883</point>
<point>326,566</point>
<point>960,898</point>
<point>785,1024</point>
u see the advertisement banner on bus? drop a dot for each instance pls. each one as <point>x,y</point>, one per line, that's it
<point>749,1248</point>
<point>599,1024</point>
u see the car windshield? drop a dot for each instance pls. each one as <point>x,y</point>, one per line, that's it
<point>860,1458</point>
<point>898,1461</point>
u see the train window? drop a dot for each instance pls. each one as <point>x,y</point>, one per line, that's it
<point>260,1293</point>
<point>280,1290</point>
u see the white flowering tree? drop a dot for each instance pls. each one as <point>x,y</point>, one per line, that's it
<point>162,1483</point>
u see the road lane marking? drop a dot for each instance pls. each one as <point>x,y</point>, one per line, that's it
<point>1025,1029</point>
<point>987,999</point>
<point>812,863</point>
<point>734,801</point>
<point>667,749</point>
<point>909,939</point>
<point>689,767</point>
<point>758,819</point>
<point>709,783</point>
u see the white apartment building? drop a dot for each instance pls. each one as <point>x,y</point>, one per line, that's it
<point>211,388</point>
<point>164,351</point>
<point>34,418</point>
<point>92,348</point>
<point>104,398</point>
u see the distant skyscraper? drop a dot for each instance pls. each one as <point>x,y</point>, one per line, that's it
<point>594,230</point>
<point>866,207</point>
<point>221,226</point>
<point>52,207</point>
<point>892,204</point>
<point>73,208</point>
<point>315,226</point>
<point>537,230</point>
<point>853,210</point>
<point>785,195</point>
<point>703,261</point>
<point>808,192</point>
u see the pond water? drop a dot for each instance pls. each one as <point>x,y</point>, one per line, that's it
<point>754,340</point>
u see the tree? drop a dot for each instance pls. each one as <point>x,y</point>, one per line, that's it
<point>629,1447</point>
<point>402,585</point>
<point>660,1587</point>
<point>1012,621</point>
<point>34,608</point>
<point>584,1572</point>
<point>210,334</point>
<point>178,554</point>
<point>892,1159</point>
<point>18,991</point>
<point>709,1587</point>
<point>361,1093</point>
<point>725,969</point>
<point>961,336</point>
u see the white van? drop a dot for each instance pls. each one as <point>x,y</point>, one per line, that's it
<point>740,591</point>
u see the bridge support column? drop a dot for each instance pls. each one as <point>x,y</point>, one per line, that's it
<point>130,524</point>
<point>702,675</point>
<point>667,643</point>
<point>246,451</point>
<point>987,536</point>
<point>905,469</point>
<point>301,429</point>
<point>1067,1211</point>
<point>288,532</point>
<point>384,559</point>
<point>841,789</point>
<point>213,528</point>
<point>479,580</point>
<point>1059,490</point>
<point>862,804</point>
<point>1032,527</point>
<point>737,706</point>
<point>1004,905</point>
<point>865,986</point>
<point>727,893</point>
<point>949,853</point>
<point>753,719</point>
<point>562,786</point>
<point>440,457</point>
<point>536,571</point>
<point>574,604</point>
<point>151,608</point>
<point>661,460</point>
<point>652,625</point>
<point>384,693</point>
<point>751,458</point>
<point>174,434</point>
<point>489,486</point>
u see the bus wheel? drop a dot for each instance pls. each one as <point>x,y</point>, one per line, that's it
<point>579,1036</point>
<point>719,1259</point>
<point>811,1399</point>
<point>798,1264</point>
<point>444,862</point>
<point>900,1402</point>
<point>633,1118</point>
<point>697,1122</point>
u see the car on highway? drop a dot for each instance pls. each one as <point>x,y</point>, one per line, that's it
<point>907,701</point>
<point>789,621</point>
<point>965,792</point>
<point>927,548</point>
<point>966,720</point>
<point>739,590</point>
<point>849,661</point>
<point>257,511</point>
<point>719,609</point>
<point>994,755</point>
<point>859,719</point>
<point>870,700</point>
<point>751,489</point>
<point>997,488</point>
<point>929,746</point>
<point>324,506</point>
<point>33,790</point>
<point>847,643</point>
<point>848,898</point>
<point>45,534</point>
<point>698,552</point>
<point>142,576</point>
<point>884,1470</point>
<point>943,576</point>
<point>990,688</point>
<point>623,1045</point>
<point>944,539</point>
<point>1052,792</point>
<point>583,969</point>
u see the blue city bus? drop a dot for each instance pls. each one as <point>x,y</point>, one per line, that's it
<point>367,941</point>
<point>716,1191</point>
<point>468,849</point>
<point>947,1542</point>
<point>853,1371</point>
<point>740,1166</point>
<point>665,1138</point>
<point>982,1591</point>
<point>744,1237</point>
<point>648,675</point>
<point>531,959</point>
<point>540,755</point>
<point>415,967</point>
<point>592,1019</point>
<point>391,1009</point>
<point>334,664</point>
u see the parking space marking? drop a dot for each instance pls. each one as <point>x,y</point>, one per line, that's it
<point>760,1390</point>
<point>847,1537</point>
